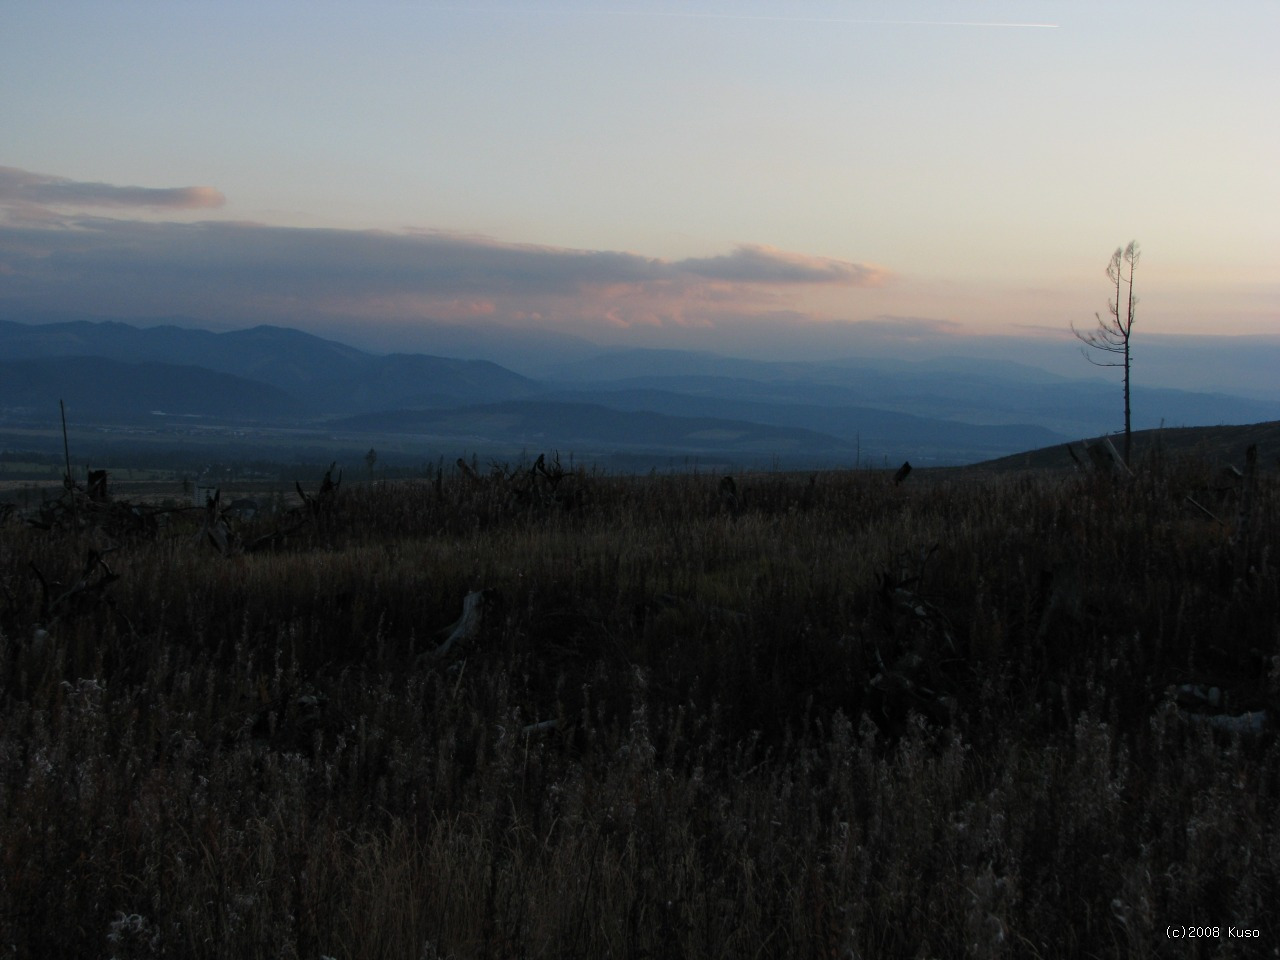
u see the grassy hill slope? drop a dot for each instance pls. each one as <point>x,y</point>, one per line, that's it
<point>1222,444</point>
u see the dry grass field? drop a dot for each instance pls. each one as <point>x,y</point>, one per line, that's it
<point>815,716</point>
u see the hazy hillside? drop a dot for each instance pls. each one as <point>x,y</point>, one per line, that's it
<point>872,431</point>
<point>582,426</point>
<point>277,355</point>
<point>413,380</point>
<point>94,389</point>
<point>324,376</point>
<point>1224,445</point>
<point>951,389</point>
<point>950,410</point>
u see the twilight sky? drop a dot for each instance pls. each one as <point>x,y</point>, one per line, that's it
<point>753,174</point>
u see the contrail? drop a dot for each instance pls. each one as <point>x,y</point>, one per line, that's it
<point>853,20</point>
<point>682,15</point>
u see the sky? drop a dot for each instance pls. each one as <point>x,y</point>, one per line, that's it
<point>760,176</point>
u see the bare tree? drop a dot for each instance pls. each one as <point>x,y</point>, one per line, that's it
<point>1113,332</point>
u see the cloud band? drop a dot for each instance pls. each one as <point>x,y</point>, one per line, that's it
<point>129,267</point>
<point>24,187</point>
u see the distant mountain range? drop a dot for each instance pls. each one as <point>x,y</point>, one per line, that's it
<point>327,377</point>
<point>621,406</point>
<point>100,390</point>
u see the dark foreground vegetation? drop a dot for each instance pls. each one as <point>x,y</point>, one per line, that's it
<point>783,716</point>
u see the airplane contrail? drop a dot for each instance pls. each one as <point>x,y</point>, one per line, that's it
<point>683,15</point>
<point>853,20</point>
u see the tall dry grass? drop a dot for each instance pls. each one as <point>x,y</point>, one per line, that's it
<point>841,719</point>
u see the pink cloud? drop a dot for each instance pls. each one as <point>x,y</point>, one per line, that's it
<point>768,265</point>
<point>225,270</point>
<point>22,187</point>
<point>463,309</point>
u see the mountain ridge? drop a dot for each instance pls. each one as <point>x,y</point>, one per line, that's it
<point>946,410</point>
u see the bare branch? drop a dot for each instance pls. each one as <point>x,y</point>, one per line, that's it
<point>1113,332</point>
